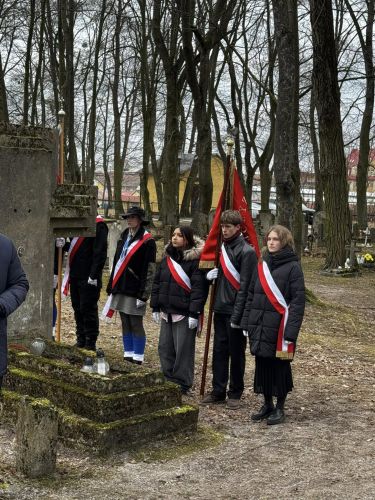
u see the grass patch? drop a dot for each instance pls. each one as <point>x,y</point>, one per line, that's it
<point>178,446</point>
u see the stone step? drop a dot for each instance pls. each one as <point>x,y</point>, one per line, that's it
<point>92,405</point>
<point>120,435</point>
<point>128,377</point>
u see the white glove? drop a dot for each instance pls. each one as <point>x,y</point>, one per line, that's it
<point>140,303</point>
<point>92,282</point>
<point>156,317</point>
<point>55,280</point>
<point>232,325</point>
<point>245,333</point>
<point>212,275</point>
<point>193,323</point>
<point>60,242</point>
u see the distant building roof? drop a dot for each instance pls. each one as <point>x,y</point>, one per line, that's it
<point>130,180</point>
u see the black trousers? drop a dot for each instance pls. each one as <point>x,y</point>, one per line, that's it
<point>228,359</point>
<point>85,305</point>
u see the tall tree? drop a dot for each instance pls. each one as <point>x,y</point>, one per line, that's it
<point>366,41</point>
<point>4,115</point>
<point>202,32</point>
<point>67,15</point>
<point>167,43</point>
<point>332,158</point>
<point>286,166</point>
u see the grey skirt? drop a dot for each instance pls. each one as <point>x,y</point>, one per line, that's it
<point>127,305</point>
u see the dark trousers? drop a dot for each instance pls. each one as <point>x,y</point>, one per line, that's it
<point>228,359</point>
<point>85,305</point>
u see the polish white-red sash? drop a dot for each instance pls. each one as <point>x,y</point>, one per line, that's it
<point>182,279</point>
<point>230,272</point>
<point>74,246</point>
<point>179,274</point>
<point>284,349</point>
<point>121,265</point>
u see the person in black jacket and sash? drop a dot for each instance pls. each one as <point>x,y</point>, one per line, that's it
<point>178,296</point>
<point>130,282</point>
<point>272,320</point>
<point>237,262</point>
<point>83,277</point>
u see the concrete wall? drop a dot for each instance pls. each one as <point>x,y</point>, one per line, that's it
<point>28,164</point>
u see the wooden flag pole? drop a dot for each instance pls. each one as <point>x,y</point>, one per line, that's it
<point>224,205</point>
<point>60,250</point>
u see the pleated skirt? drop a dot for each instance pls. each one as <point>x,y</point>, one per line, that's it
<point>273,376</point>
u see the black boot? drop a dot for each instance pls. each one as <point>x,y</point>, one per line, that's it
<point>278,415</point>
<point>81,342</point>
<point>90,343</point>
<point>265,411</point>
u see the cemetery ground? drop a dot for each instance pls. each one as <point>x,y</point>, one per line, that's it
<point>325,449</point>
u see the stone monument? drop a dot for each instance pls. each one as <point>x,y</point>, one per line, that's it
<point>34,210</point>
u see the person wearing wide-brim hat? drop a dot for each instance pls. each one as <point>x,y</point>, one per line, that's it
<point>138,212</point>
<point>131,281</point>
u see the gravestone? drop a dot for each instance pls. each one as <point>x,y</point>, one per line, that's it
<point>114,232</point>
<point>319,230</point>
<point>36,437</point>
<point>34,210</point>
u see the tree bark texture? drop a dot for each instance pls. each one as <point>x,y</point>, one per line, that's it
<point>364,141</point>
<point>332,158</point>
<point>286,166</point>
<point>4,116</point>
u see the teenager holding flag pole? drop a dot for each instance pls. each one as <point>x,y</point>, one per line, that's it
<point>235,259</point>
<point>272,318</point>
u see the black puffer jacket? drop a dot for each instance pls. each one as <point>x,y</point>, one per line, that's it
<point>260,318</point>
<point>167,296</point>
<point>244,259</point>
<point>137,279</point>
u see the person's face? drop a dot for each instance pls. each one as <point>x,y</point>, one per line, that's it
<point>229,230</point>
<point>133,221</point>
<point>178,240</point>
<point>273,242</point>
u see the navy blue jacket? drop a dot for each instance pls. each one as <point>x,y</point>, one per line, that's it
<point>13,290</point>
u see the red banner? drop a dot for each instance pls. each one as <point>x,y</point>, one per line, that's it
<point>247,227</point>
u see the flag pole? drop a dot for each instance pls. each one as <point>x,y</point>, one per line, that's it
<point>225,200</point>
<point>61,114</point>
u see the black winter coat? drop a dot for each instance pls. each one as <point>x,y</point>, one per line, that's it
<point>89,260</point>
<point>13,290</point>
<point>228,300</point>
<point>167,296</point>
<point>260,318</point>
<point>136,280</point>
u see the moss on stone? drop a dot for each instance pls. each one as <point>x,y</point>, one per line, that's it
<point>178,446</point>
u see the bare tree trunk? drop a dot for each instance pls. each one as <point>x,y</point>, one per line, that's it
<point>53,65</point>
<point>286,167</point>
<point>26,80</point>
<point>364,142</point>
<point>319,200</point>
<point>332,158</point>
<point>37,80</point>
<point>66,78</point>
<point>173,139</point>
<point>95,90</point>
<point>4,116</point>
<point>117,160</point>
